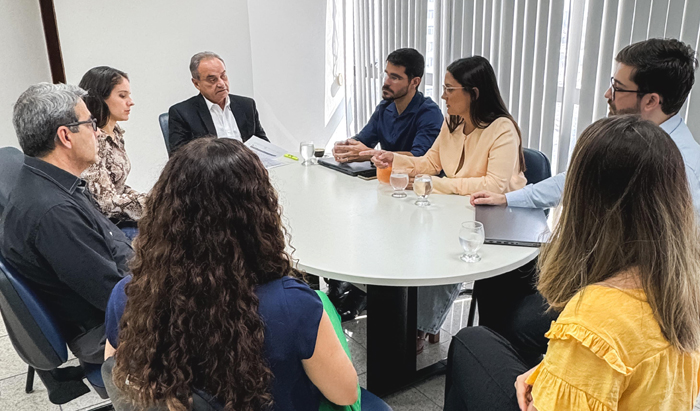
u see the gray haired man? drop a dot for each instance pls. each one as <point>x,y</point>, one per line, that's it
<point>50,231</point>
<point>213,112</point>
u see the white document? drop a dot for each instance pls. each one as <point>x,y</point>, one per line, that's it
<point>271,155</point>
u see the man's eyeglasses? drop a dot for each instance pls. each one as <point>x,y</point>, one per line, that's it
<point>448,90</point>
<point>91,121</point>
<point>614,89</point>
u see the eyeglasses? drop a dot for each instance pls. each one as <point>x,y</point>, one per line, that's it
<point>448,90</point>
<point>91,121</point>
<point>614,89</point>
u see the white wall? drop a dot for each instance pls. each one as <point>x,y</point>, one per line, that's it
<point>288,41</point>
<point>153,41</point>
<point>276,51</point>
<point>24,59</point>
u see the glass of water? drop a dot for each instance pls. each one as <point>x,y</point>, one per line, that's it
<point>471,237</point>
<point>422,186</point>
<point>399,182</point>
<point>306,149</point>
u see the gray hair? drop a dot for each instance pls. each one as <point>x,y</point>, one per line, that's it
<point>40,111</point>
<point>197,58</point>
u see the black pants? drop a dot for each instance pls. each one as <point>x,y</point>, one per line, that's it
<point>481,370</point>
<point>510,305</point>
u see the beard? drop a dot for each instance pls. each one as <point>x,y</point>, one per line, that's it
<point>614,111</point>
<point>393,95</point>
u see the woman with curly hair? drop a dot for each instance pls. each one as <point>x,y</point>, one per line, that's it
<point>215,305</point>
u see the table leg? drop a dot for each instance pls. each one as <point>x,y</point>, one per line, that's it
<point>391,338</point>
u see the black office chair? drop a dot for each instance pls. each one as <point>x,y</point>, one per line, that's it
<point>163,120</point>
<point>36,338</point>
<point>11,161</point>
<point>537,166</point>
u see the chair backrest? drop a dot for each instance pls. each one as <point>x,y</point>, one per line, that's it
<point>537,166</point>
<point>200,400</point>
<point>11,161</point>
<point>30,326</point>
<point>163,120</point>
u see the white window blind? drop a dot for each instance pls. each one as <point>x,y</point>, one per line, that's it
<point>553,58</point>
<point>380,27</point>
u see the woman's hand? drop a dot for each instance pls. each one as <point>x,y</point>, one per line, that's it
<point>380,158</point>
<point>523,391</point>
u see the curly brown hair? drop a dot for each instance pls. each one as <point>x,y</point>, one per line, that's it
<point>210,234</point>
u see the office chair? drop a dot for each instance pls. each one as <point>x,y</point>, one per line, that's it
<point>11,160</point>
<point>163,120</point>
<point>537,166</point>
<point>36,337</point>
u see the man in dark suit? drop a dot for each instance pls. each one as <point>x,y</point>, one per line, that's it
<point>213,112</point>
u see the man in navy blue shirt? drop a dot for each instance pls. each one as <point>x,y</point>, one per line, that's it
<point>405,121</point>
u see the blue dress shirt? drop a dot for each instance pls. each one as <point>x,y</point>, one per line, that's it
<point>547,193</point>
<point>414,130</point>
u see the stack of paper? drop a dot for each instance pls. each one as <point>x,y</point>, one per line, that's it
<point>271,155</point>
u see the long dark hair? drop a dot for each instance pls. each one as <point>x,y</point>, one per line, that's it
<point>99,83</point>
<point>210,234</point>
<point>487,104</point>
<point>627,206</point>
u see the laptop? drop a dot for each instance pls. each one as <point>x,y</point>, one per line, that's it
<point>363,168</point>
<point>513,225</point>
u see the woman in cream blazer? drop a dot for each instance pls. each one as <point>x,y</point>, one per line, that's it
<point>478,148</point>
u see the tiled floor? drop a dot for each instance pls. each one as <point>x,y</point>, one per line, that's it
<point>13,375</point>
<point>425,396</point>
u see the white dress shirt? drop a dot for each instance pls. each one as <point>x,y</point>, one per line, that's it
<point>547,193</point>
<point>224,121</point>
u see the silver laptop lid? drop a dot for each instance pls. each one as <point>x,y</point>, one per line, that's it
<point>513,225</point>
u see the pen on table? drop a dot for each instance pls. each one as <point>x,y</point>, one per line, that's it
<point>293,157</point>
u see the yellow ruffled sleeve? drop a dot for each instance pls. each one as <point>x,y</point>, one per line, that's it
<point>581,371</point>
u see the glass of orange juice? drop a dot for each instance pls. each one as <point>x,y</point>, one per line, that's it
<point>384,174</point>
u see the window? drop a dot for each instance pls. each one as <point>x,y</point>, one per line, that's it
<point>529,44</point>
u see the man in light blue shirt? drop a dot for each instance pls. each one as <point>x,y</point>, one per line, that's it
<point>653,79</point>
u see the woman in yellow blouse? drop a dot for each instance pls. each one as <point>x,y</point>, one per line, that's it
<point>479,146</point>
<point>624,268</point>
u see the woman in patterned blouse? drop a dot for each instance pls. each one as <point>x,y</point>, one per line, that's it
<point>109,100</point>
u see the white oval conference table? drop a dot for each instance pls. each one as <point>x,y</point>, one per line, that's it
<point>350,229</point>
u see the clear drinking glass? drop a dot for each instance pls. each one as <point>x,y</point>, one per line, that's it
<point>399,182</point>
<point>306,149</point>
<point>471,237</point>
<point>422,186</point>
